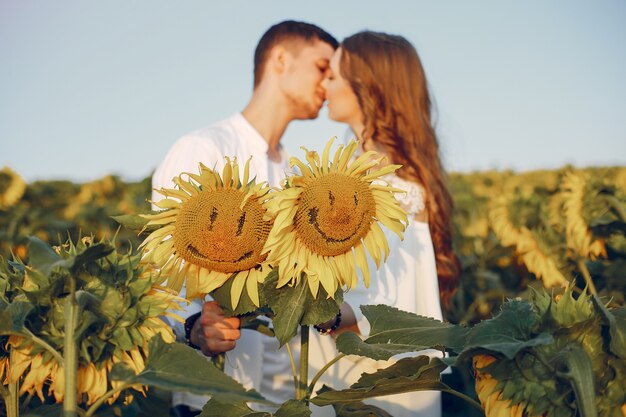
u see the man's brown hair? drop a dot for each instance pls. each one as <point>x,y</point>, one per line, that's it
<point>285,32</point>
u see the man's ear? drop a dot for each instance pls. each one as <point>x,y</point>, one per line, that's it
<point>278,59</point>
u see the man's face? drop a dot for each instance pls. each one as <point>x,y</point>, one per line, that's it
<point>302,80</point>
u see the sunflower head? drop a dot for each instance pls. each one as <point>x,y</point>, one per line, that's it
<point>120,311</point>
<point>334,213</point>
<point>213,228</point>
<point>328,214</point>
<point>12,188</point>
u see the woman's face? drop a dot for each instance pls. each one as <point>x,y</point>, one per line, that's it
<point>342,103</point>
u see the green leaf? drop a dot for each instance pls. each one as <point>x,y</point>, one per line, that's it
<point>414,367</point>
<point>509,332</point>
<point>13,317</point>
<point>407,375</point>
<point>41,256</point>
<point>131,221</point>
<point>359,409</point>
<point>288,306</point>
<point>616,320</point>
<point>177,367</point>
<point>293,408</point>
<point>45,259</point>
<point>356,408</point>
<point>351,344</point>
<point>217,407</point>
<point>573,364</point>
<point>295,305</point>
<point>394,331</point>
<point>222,296</point>
<point>322,308</point>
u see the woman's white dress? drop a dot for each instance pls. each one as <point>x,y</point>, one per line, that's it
<point>408,281</point>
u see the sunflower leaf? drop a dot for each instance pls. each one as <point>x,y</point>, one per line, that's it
<point>509,332</point>
<point>222,296</point>
<point>131,221</point>
<point>176,367</point>
<point>288,304</point>
<point>293,408</point>
<point>295,305</point>
<point>394,331</point>
<point>356,408</point>
<point>406,375</point>
<point>13,317</point>
<point>45,259</point>
<point>217,407</point>
<point>616,319</point>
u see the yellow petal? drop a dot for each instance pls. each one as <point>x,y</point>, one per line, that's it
<point>325,154</point>
<point>372,248</point>
<point>380,238</point>
<point>361,261</point>
<point>252,286</point>
<point>235,290</point>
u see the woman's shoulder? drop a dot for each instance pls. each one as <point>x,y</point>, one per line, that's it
<point>412,200</point>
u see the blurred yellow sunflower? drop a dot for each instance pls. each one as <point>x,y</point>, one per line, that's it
<point>12,188</point>
<point>489,395</point>
<point>212,229</point>
<point>328,215</point>
<point>36,368</point>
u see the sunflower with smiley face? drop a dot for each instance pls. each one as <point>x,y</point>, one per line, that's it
<point>328,216</point>
<point>212,228</point>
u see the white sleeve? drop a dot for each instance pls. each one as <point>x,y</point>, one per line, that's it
<point>185,156</point>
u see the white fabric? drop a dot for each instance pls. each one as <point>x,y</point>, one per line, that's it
<point>408,281</point>
<point>413,199</point>
<point>255,362</point>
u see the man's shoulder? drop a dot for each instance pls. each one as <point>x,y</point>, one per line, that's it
<point>220,135</point>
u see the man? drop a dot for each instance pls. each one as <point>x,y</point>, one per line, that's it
<point>290,63</point>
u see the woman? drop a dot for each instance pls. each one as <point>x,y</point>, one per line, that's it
<point>376,84</point>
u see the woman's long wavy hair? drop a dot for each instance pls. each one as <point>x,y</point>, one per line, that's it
<point>388,79</point>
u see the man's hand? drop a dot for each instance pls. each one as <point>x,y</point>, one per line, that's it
<point>213,332</point>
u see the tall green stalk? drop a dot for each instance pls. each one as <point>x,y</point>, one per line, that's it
<point>303,382</point>
<point>70,352</point>
<point>11,399</point>
<point>588,280</point>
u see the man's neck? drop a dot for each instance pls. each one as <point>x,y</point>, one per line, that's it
<point>269,118</point>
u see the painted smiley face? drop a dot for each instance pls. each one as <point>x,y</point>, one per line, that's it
<point>335,211</point>
<point>213,231</point>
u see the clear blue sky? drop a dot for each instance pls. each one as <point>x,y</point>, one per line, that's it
<point>89,88</point>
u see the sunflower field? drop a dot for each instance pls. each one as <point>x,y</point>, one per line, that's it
<point>556,238</point>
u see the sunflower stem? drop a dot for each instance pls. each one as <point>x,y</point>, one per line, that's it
<point>587,276</point>
<point>94,407</point>
<point>46,346</point>
<point>304,363</point>
<point>70,352</point>
<point>11,399</point>
<point>219,361</point>
<point>319,374</point>
<point>469,400</point>
<point>294,372</point>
